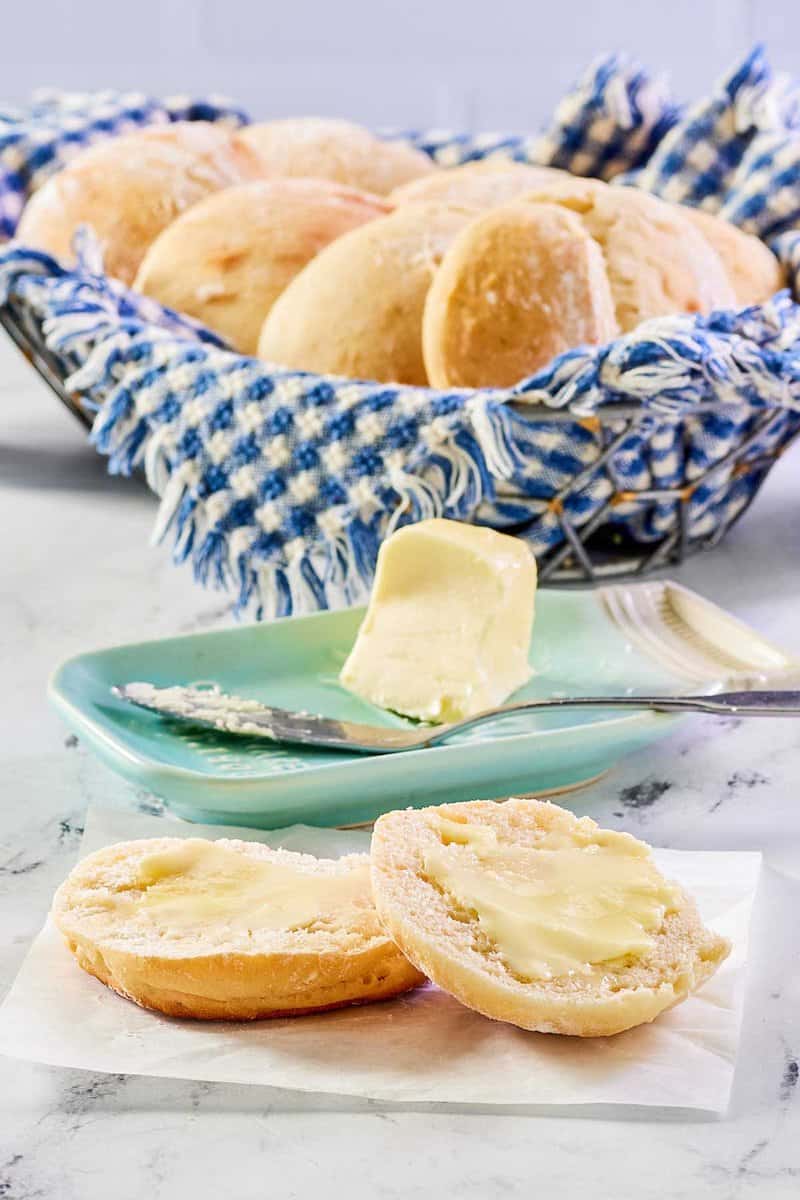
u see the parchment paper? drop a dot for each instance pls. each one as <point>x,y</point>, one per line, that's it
<point>423,1047</point>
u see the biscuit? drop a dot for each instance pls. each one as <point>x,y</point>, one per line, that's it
<point>227,259</point>
<point>530,915</point>
<point>229,930</point>
<point>356,309</point>
<point>753,271</point>
<point>519,285</point>
<point>657,262</point>
<point>335,149</point>
<point>130,188</point>
<point>482,184</point>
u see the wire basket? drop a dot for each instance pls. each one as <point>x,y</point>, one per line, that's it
<point>602,547</point>
<point>612,461</point>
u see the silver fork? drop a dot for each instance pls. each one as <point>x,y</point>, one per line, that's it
<point>214,709</point>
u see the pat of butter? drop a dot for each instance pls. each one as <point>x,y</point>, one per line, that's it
<point>566,906</point>
<point>448,628</point>
<point>201,884</point>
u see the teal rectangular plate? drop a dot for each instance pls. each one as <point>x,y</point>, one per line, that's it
<point>608,641</point>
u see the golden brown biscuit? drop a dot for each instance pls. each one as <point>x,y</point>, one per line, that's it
<point>131,188</point>
<point>753,271</point>
<point>227,259</point>
<point>530,915</point>
<point>518,286</point>
<point>657,261</point>
<point>482,184</point>
<point>229,930</point>
<point>334,149</point>
<point>356,309</point>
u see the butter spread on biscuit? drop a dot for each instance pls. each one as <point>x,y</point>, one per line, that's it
<point>564,906</point>
<point>200,885</point>
<point>448,628</point>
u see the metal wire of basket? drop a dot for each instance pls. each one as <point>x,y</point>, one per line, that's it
<point>26,335</point>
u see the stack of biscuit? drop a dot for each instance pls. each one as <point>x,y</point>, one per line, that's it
<point>520,910</point>
<point>319,247</point>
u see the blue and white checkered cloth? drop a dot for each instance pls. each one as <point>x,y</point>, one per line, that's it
<point>736,152</point>
<point>282,485</point>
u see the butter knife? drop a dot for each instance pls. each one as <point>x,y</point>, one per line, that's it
<point>213,709</point>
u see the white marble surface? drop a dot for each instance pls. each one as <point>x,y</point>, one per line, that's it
<point>76,572</point>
